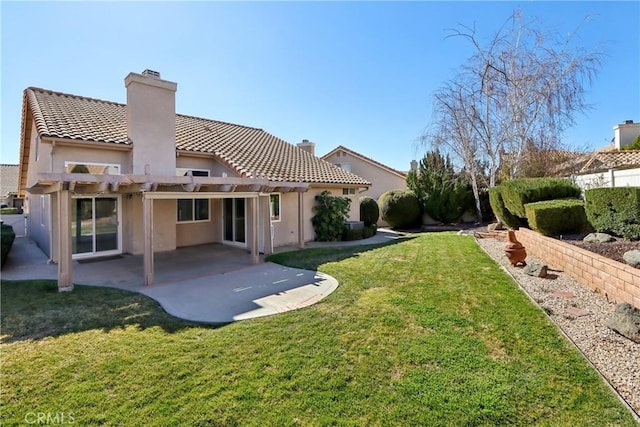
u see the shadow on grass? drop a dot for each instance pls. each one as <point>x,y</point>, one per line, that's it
<point>312,258</point>
<point>34,309</point>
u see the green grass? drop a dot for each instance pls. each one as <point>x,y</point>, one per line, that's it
<point>429,331</point>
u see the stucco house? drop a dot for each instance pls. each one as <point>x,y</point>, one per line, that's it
<point>9,186</point>
<point>382,177</point>
<point>609,166</point>
<point>104,178</point>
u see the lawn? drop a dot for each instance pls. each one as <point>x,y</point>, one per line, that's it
<point>429,331</point>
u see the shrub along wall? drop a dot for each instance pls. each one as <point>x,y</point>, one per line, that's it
<point>518,192</point>
<point>614,210</point>
<point>617,281</point>
<point>554,217</point>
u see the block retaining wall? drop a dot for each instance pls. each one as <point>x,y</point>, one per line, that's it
<point>617,281</point>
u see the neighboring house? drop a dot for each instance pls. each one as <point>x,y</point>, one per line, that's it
<point>9,186</point>
<point>610,166</point>
<point>104,178</point>
<point>382,177</point>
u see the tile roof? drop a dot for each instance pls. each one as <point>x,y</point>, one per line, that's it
<point>368,159</point>
<point>8,179</point>
<point>605,160</point>
<point>245,149</point>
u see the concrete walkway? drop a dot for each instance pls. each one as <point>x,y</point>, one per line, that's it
<point>210,283</point>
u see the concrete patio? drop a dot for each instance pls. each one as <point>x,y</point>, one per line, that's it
<point>212,283</point>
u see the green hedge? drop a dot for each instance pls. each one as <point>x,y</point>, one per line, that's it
<point>554,217</point>
<point>369,210</point>
<point>518,192</point>
<point>614,210</point>
<point>9,211</point>
<point>7,236</point>
<point>400,208</point>
<point>500,211</point>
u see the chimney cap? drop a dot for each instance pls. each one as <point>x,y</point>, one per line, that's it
<point>305,141</point>
<point>151,73</point>
<point>628,122</point>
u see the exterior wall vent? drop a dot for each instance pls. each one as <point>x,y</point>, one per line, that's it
<point>151,73</point>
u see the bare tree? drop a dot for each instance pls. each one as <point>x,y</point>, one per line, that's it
<point>517,93</point>
<point>455,130</point>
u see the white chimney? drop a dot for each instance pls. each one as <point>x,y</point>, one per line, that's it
<point>151,122</point>
<point>625,133</point>
<point>308,146</point>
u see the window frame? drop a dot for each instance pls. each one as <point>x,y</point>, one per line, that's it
<point>271,215</point>
<point>348,191</point>
<point>193,200</point>
<point>116,166</point>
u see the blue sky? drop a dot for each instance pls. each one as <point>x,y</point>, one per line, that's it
<point>357,74</point>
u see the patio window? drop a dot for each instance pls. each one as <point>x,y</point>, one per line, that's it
<point>274,206</point>
<point>193,210</point>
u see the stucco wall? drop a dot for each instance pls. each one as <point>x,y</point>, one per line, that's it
<point>381,180</point>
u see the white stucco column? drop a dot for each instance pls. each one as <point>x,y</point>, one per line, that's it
<point>301,220</point>
<point>147,224</point>
<point>65,266</point>
<point>253,210</point>
<point>266,224</point>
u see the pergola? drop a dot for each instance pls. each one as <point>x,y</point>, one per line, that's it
<point>151,187</point>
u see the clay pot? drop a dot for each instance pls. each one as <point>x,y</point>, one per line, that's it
<point>514,250</point>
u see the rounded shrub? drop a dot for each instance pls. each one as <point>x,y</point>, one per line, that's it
<point>400,208</point>
<point>369,210</point>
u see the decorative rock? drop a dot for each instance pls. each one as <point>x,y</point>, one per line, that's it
<point>564,294</point>
<point>598,238</point>
<point>577,312</point>
<point>625,320</point>
<point>632,258</point>
<point>536,269</point>
<point>495,226</point>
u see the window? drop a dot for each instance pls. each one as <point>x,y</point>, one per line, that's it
<point>194,172</point>
<point>274,206</point>
<point>348,191</point>
<point>92,168</point>
<point>345,166</point>
<point>193,210</point>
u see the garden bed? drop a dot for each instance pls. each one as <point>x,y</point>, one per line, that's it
<point>612,250</point>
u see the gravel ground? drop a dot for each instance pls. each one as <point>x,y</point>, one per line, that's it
<point>616,357</point>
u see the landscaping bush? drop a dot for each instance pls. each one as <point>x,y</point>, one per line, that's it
<point>614,210</point>
<point>9,211</point>
<point>331,212</point>
<point>400,208</point>
<point>518,192</point>
<point>369,231</point>
<point>7,236</point>
<point>500,211</point>
<point>369,210</point>
<point>554,217</point>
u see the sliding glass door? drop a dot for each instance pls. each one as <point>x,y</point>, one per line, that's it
<point>234,223</point>
<point>95,226</point>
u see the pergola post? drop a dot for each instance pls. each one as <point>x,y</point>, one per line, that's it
<point>300,220</point>
<point>266,224</point>
<point>65,262</point>
<point>253,208</point>
<point>147,224</point>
